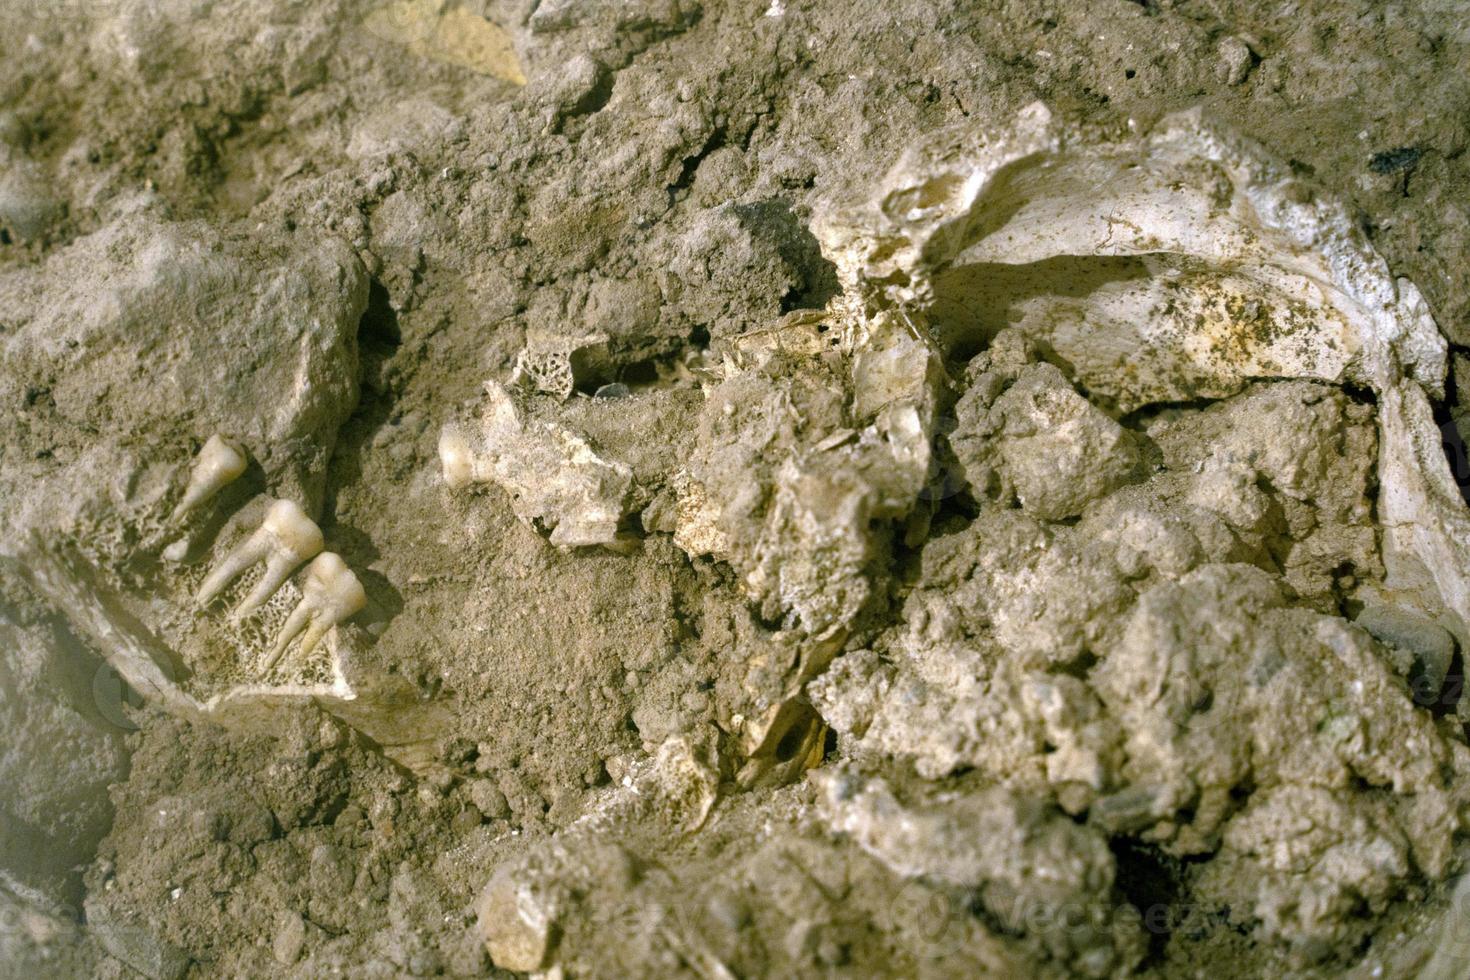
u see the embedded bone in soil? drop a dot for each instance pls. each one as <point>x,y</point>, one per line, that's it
<point>868,489</point>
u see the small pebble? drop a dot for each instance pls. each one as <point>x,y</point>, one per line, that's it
<point>488,799</point>
<point>290,938</point>
<point>466,820</point>
<point>1236,60</point>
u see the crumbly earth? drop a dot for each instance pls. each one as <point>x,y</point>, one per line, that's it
<point>976,677</point>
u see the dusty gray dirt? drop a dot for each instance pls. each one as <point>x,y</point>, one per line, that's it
<point>1095,689</point>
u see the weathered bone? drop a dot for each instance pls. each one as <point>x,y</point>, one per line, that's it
<point>1181,263</point>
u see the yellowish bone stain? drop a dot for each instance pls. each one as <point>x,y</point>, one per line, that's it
<point>454,37</point>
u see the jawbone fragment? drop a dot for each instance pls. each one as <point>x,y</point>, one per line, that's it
<point>553,476</point>
<point>220,668</point>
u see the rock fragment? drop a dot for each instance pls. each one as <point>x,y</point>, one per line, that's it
<point>270,356</point>
<point>454,36</point>
<point>28,209</point>
<point>518,921</point>
<point>1430,648</point>
<point>136,946</point>
<point>1236,60</point>
<point>290,939</point>
<point>797,484</point>
<point>1027,863</point>
<point>1054,449</point>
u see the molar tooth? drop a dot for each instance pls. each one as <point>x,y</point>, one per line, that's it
<point>218,463</point>
<point>330,594</point>
<point>285,539</point>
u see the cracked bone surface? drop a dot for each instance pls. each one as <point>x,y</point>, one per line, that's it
<point>285,539</point>
<point>1173,267</point>
<point>330,593</point>
<point>1182,263</point>
<point>218,464</point>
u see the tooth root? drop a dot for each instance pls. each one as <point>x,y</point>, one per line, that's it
<point>330,594</point>
<point>314,634</point>
<point>218,464</point>
<point>285,539</point>
<point>295,623</point>
<point>278,568</point>
<point>316,628</point>
<point>247,553</point>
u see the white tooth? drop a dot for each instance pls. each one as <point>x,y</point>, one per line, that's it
<point>285,539</point>
<point>455,457</point>
<point>217,464</point>
<point>330,594</point>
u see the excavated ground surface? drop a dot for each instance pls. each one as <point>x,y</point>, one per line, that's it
<point>322,227</point>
